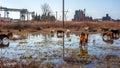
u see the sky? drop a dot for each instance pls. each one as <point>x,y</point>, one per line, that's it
<point>94,8</point>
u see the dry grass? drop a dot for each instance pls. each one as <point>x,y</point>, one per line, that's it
<point>42,25</point>
<point>45,27</point>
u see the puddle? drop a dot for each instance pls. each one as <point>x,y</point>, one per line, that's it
<point>43,45</point>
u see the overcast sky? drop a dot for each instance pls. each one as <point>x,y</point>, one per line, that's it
<point>94,8</point>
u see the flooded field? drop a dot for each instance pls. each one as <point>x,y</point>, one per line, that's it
<point>50,48</point>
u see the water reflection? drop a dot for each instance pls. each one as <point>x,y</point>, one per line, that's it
<point>108,40</point>
<point>2,45</point>
<point>84,51</point>
<point>43,45</point>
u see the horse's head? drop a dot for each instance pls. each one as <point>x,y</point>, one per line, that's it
<point>82,34</point>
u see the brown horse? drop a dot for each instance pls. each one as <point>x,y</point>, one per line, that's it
<point>83,39</point>
<point>108,33</point>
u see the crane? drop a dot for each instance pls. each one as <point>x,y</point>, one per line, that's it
<point>23,12</point>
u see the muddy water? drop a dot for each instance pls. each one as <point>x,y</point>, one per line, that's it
<point>46,45</point>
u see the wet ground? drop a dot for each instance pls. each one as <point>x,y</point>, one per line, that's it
<point>49,46</point>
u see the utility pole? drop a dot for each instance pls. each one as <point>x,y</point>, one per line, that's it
<point>63,14</point>
<point>63,26</point>
<point>56,16</point>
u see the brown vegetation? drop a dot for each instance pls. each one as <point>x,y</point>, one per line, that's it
<point>38,26</point>
<point>69,25</point>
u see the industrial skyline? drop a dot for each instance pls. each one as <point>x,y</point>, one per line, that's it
<point>95,8</point>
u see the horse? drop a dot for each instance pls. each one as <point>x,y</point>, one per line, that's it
<point>105,29</point>
<point>83,39</point>
<point>115,33</point>
<point>108,34</point>
<point>60,33</point>
<point>2,36</point>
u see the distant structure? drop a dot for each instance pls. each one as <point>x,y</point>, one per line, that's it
<point>24,13</point>
<point>80,16</point>
<point>106,18</point>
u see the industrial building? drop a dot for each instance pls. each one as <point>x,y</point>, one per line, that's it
<point>106,18</point>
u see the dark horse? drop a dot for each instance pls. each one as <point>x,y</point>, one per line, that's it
<point>115,33</point>
<point>60,33</point>
<point>2,36</point>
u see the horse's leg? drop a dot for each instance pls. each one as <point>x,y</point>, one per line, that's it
<point>84,44</point>
<point>85,47</point>
<point>81,50</point>
<point>80,46</point>
<point>111,34</point>
<point>118,35</point>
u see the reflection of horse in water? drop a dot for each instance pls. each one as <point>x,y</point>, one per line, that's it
<point>2,45</point>
<point>83,52</point>
<point>83,39</point>
<point>108,40</point>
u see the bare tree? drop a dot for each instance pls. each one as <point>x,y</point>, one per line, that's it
<point>46,9</point>
<point>47,16</point>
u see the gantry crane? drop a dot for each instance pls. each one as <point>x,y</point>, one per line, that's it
<point>24,14</point>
